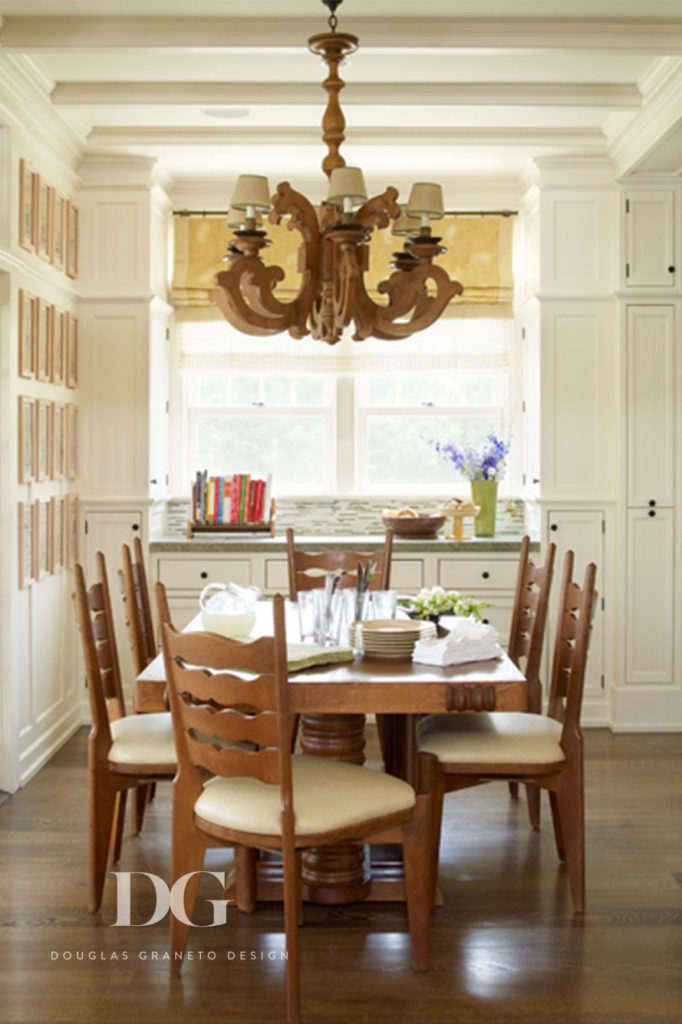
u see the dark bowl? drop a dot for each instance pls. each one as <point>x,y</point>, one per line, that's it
<point>426,527</point>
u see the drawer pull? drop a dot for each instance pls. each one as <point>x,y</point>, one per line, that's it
<point>204,575</point>
<point>485,575</point>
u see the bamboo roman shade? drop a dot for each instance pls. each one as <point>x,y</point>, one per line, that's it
<point>479,254</point>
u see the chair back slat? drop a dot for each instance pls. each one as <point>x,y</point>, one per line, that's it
<point>162,607</point>
<point>135,594</point>
<point>529,617</point>
<point>229,704</point>
<point>307,571</point>
<point>574,625</point>
<point>234,762</point>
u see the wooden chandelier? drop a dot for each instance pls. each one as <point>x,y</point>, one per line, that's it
<point>334,254</point>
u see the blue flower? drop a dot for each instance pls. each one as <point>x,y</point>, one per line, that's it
<point>484,463</point>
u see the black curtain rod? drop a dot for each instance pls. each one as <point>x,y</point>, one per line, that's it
<point>448,213</point>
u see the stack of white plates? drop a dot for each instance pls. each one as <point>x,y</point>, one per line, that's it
<point>388,638</point>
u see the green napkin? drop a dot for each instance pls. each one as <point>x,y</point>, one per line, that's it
<point>300,656</point>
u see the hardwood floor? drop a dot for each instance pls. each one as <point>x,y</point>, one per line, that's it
<point>506,945</point>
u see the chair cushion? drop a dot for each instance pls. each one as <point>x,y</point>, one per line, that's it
<point>143,739</point>
<point>328,794</point>
<point>501,737</point>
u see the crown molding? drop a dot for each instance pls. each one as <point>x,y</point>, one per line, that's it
<point>659,115</point>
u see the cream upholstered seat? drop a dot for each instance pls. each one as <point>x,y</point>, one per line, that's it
<point>462,750</point>
<point>143,739</point>
<point>328,795</point>
<point>504,737</point>
<point>265,798</point>
<point>123,753</point>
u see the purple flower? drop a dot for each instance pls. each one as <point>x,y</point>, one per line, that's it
<point>483,463</point>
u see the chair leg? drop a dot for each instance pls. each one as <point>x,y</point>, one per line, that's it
<point>140,800</point>
<point>119,824</point>
<point>437,795</point>
<point>187,856</point>
<point>418,885</point>
<point>514,790</point>
<point>103,800</point>
<point>571,810</point>
<point>245,874</point>
<point>291,865</point>
<point>533,801</point>
<point>558,830</point>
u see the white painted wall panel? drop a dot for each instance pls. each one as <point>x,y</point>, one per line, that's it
<point>649,638</point>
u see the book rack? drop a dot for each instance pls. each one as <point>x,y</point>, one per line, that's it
<point>264,527</point>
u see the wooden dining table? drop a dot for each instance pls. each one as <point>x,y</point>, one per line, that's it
<point>333,702</point>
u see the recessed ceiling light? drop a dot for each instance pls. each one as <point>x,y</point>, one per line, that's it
<point>227,112</point>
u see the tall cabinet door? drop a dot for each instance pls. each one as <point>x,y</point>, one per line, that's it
<point>650,405</point>
<point>649,636</point>
<point>581,531</point>
<point>650,239</point>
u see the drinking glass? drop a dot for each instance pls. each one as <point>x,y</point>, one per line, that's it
<point>383,604</point>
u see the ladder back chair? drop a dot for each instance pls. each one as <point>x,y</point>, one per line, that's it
<point>259,796</point>
<point>462,750</point>
<point>135,592</point>
<point>306,572</point>
<point>124,752</point>
<point>526,640</point>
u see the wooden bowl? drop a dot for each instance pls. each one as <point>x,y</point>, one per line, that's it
<point>425,527</point>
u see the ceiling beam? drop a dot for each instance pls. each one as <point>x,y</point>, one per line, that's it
<point>612,35</point>
<point>591,139</point>
<point>358,94</point>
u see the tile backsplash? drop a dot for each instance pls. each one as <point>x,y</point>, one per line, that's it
<point>350,516</point>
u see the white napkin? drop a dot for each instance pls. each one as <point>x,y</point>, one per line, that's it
<point>468,640</point>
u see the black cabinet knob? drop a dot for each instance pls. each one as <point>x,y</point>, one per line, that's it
<point>486,622</point>
<point>485,575</point>
<point>651,512</point>
<point>652,503</point>
<point>204,575</point>
<point>154,481</point>
<point>554,526</point>
<point>671,270</point>
<point>136,526</point>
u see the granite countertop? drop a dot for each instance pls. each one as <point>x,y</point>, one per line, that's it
<point>235,543</point>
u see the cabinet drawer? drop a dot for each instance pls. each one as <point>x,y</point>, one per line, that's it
<point>277,576</point>
<point>196,573</point>
<point>407,574</point>
<point>473,576</point>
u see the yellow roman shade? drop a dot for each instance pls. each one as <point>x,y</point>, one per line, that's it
<point>479,254</point>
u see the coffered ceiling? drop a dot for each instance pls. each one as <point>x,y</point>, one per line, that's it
<point>476,92</point>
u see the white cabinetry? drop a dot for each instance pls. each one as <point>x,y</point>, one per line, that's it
<point>650,243</point>
<point>649,632</point>
<point>581,531</point>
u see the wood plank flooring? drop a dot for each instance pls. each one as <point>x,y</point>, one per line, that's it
<point>506,946</point>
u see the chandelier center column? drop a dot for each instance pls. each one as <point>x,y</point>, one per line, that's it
<point>333,47</point>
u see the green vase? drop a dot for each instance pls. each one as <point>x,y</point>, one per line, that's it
<point>484,494</point>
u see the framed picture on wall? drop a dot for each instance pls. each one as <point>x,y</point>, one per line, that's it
<point>26,533</point>
<point>72,512</point>
<point>27,200</point>
<point>44,340</point>
<point>41,544</point>
<point>71,351</point>
<point>27,439</point>
<point>59,231</point>
<point>72,441</point>
<point>59,328</point>
<point>43,439</point>
<point>58,541</point>
<point>44,234</point>
<point>58,440</point>
<point>27,334</point>
<point>71,239</point>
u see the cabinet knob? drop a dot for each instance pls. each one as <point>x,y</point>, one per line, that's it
<point>485,575</point>
<point>136,526</point>
<point>651,512</point>
<point>204,575</point>
<point>652,503</point>
<point>671,270</point>
<point>554,526</point>
<point>154,481</point>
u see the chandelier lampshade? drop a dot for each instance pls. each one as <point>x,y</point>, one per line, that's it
<point>334,251</point>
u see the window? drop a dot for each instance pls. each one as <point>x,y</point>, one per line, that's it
<point>347,419</point>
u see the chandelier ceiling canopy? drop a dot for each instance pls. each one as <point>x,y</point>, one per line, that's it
<point>334,252</point>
